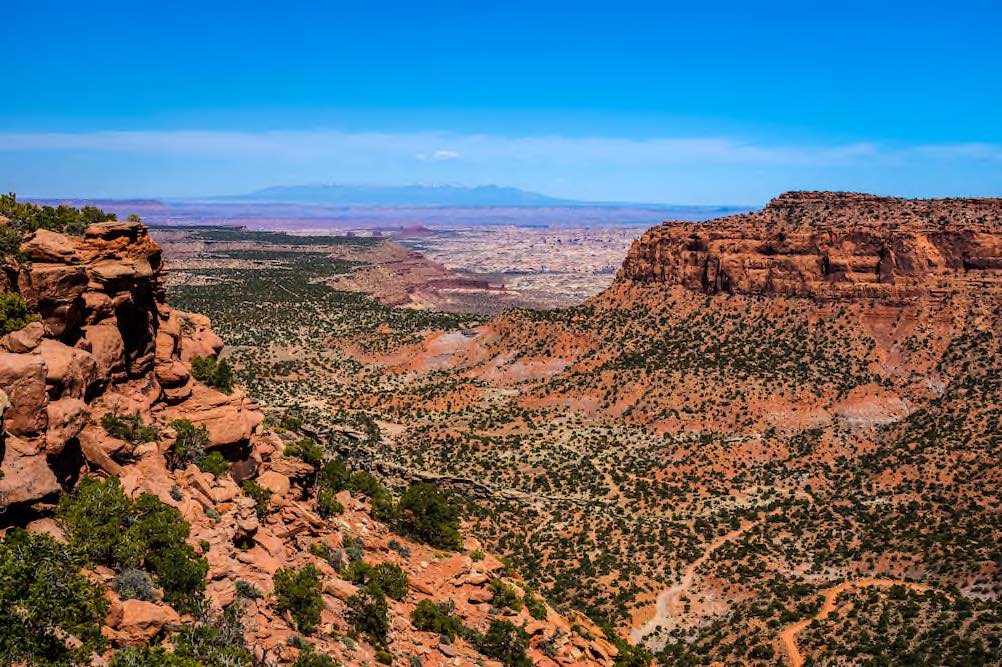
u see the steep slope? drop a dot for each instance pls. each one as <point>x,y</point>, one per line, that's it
<point>703,465</point>
<point>760,408</point>
<point>101,387</point>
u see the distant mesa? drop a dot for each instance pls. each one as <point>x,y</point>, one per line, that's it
<point>829,246</point>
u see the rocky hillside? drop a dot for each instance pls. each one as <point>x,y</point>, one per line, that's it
<point>829,245</point>
<point>774,438</point>
<point>168,522</point>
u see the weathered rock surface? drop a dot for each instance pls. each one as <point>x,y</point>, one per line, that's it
<point>108,344</point>
<point>829,246</point>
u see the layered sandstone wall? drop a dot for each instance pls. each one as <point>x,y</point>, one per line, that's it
<point>827,245</point>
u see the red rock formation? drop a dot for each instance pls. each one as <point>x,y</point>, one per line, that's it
<point>828,245</point>
<point>107,342</point>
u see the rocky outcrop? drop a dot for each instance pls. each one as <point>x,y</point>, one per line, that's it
<point>106,342</point>
<point>829,246</point>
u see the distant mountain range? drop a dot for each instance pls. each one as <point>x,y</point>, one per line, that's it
<point>299,206</point>
<point>403,195</point>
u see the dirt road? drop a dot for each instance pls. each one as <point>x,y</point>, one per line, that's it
<point>788,637</point>
<point>669,600</point>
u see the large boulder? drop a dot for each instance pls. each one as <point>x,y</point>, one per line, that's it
<point>198,339</point>
<point>23,340</point>
<point>55,291</point>
<point>22,378</point>
<point>108,349</point>
<point>67,417</point>
<point>48,246</point>
<point>229,419</point>
<point>26,473</point>
<point>135,621</point>
<point>69,371</point>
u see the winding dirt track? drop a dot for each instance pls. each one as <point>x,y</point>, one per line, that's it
<point>669,599</point>
<point>788,637</point>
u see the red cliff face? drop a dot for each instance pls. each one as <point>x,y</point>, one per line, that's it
<point>829,246</point>
<point>106,342</point>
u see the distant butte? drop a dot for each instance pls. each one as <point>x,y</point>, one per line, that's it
<point>829,246</point>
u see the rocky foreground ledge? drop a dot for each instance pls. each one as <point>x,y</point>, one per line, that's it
<point>829,246</point>
<point>106,342</point>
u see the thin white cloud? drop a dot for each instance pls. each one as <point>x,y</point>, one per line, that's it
<point>707,169</point>
<point>440,155</point>
<point>297,144</point>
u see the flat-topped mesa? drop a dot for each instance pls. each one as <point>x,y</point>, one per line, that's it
<point>829,246</point>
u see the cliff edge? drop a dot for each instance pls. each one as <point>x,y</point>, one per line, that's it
<point>829,246</point>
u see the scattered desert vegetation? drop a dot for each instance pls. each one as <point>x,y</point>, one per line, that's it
<point>693,470</point>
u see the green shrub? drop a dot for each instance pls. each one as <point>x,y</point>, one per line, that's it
<point>506,642</point>
<point>181,574</point>
<point>632,656</point>
<point>150,656</point>
<point>214,463</point>
<point>14,312</point>
<point>437,617</point>
<point>387,577</point>
<point>107,528</point>
<point>535,606</point>
<point>96,521</point>
<point>214,372</point>
<point>310,658</point>
<point>429,515</point>
<point>156,525</point>
<point>217,641</point>
<point>308,450</point>
<point>383,507</point>
<point>366,484</point>
<point>290,423</point>
<point>384,657</point>
<point>321,550</point>
<point>246,589</point>
<point>43,600</point>
<point>190,444</point>
<point>10,246</point>
<point>299,593</point>
<point>159,531</point>
<point>133,584</point>
<point>328,504</point>
<point>354,548</point>
<point>369,613</point>
<point>505,596</point>
<point>260,495</point>
<point>334,475</point>
<point>129,428</point>
<point>25,217</point>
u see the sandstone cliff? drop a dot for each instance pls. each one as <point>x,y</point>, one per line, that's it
<point>829,245</point>
<point>106,342</point>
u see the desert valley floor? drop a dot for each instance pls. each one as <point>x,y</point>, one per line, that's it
<point>719,456</point>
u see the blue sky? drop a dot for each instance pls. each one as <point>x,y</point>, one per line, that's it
<point>710,102</point>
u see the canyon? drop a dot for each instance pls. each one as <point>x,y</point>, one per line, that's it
<point>774,437</point>
<point>100,385</point>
